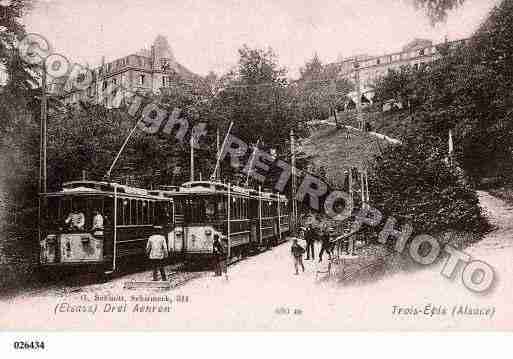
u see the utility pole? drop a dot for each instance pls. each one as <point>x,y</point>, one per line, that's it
<point>362,187</point>
<point>351,194</point>
<point>359,116</point>
<point>191,144</point>
<point>251,161</point>
<point>44,120</point>
<point>294,203</point>
<point>217,174</point>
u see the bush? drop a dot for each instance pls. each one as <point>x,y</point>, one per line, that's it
<point>414,183</point>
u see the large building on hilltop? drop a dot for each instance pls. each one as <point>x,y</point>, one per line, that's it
<point>145,71</point>
<point>417,53</point>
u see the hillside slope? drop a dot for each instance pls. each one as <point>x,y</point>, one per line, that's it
<point>340,149</point>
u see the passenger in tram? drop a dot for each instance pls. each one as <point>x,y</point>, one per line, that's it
<point>97,221</point>
<point>157,251</point>
<point>75,220</point>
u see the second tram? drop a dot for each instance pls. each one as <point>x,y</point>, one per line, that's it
<point>245,220</point>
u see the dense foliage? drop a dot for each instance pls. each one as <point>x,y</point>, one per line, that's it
<point>414,184</point>
<point>467,91</point>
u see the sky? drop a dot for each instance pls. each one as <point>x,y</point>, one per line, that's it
<point>205,35</point>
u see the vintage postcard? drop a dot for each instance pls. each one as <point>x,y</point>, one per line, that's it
<point>341,165</point>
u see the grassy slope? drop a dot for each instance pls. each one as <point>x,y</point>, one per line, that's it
<point>329,147</point>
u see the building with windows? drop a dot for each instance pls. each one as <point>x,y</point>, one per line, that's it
<point>367,69</point>
<point>419,52</point>
<point>145,71</point>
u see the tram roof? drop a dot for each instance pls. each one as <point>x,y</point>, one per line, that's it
<point>84,187</point>
<point>212,186</point>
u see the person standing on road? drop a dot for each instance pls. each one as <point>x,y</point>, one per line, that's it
<point>325,244</point>
<point>157,251</point>
<point>297,252</point>
<point>219,255</point>
<point>310,240</point>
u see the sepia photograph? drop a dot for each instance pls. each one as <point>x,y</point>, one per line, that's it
<point>255,166</point>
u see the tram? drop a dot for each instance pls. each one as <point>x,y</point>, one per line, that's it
<point>97,224</point>
<point>245,220</point>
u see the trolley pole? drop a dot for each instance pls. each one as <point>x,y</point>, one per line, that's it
<point>132,131</point>
<point>220,152</point>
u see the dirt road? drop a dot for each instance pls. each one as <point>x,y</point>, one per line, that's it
<point>262,293</point>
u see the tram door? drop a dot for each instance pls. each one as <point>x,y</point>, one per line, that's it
<point>176,237</point>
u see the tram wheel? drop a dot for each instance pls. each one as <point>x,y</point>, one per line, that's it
<point>105,276</point>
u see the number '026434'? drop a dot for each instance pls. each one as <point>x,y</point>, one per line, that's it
<point>32,345</point>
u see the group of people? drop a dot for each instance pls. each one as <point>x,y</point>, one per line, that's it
<point>311,235</point>
<point>76,220</point>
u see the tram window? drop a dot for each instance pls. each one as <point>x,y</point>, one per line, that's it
<point>221,208</point>
<point>179,207</point>
<point>96,205</point>
<point>119,211</point>
<point>162,215</point>
<point>133,212</point>
<point>66,208</point>
<point>139,212</point>
<point>107,211</point>
<point>53,218</point>
<point>145,219</point>
<point>198,210</point>
<point>210,208</point>
<point>151,217</point>
<point>232,208</point>
<point>170,210</point>
<point>126,211</point>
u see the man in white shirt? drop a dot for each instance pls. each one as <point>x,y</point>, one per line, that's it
<point>97,221</point>
<point>157,251</point>
<point>76,220</point>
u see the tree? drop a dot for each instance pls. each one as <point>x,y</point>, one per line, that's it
<point>437,10</point>
<point>320,90</point>
<point>257,98</point>
<point>412,183</point>
<point>18,125</point>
